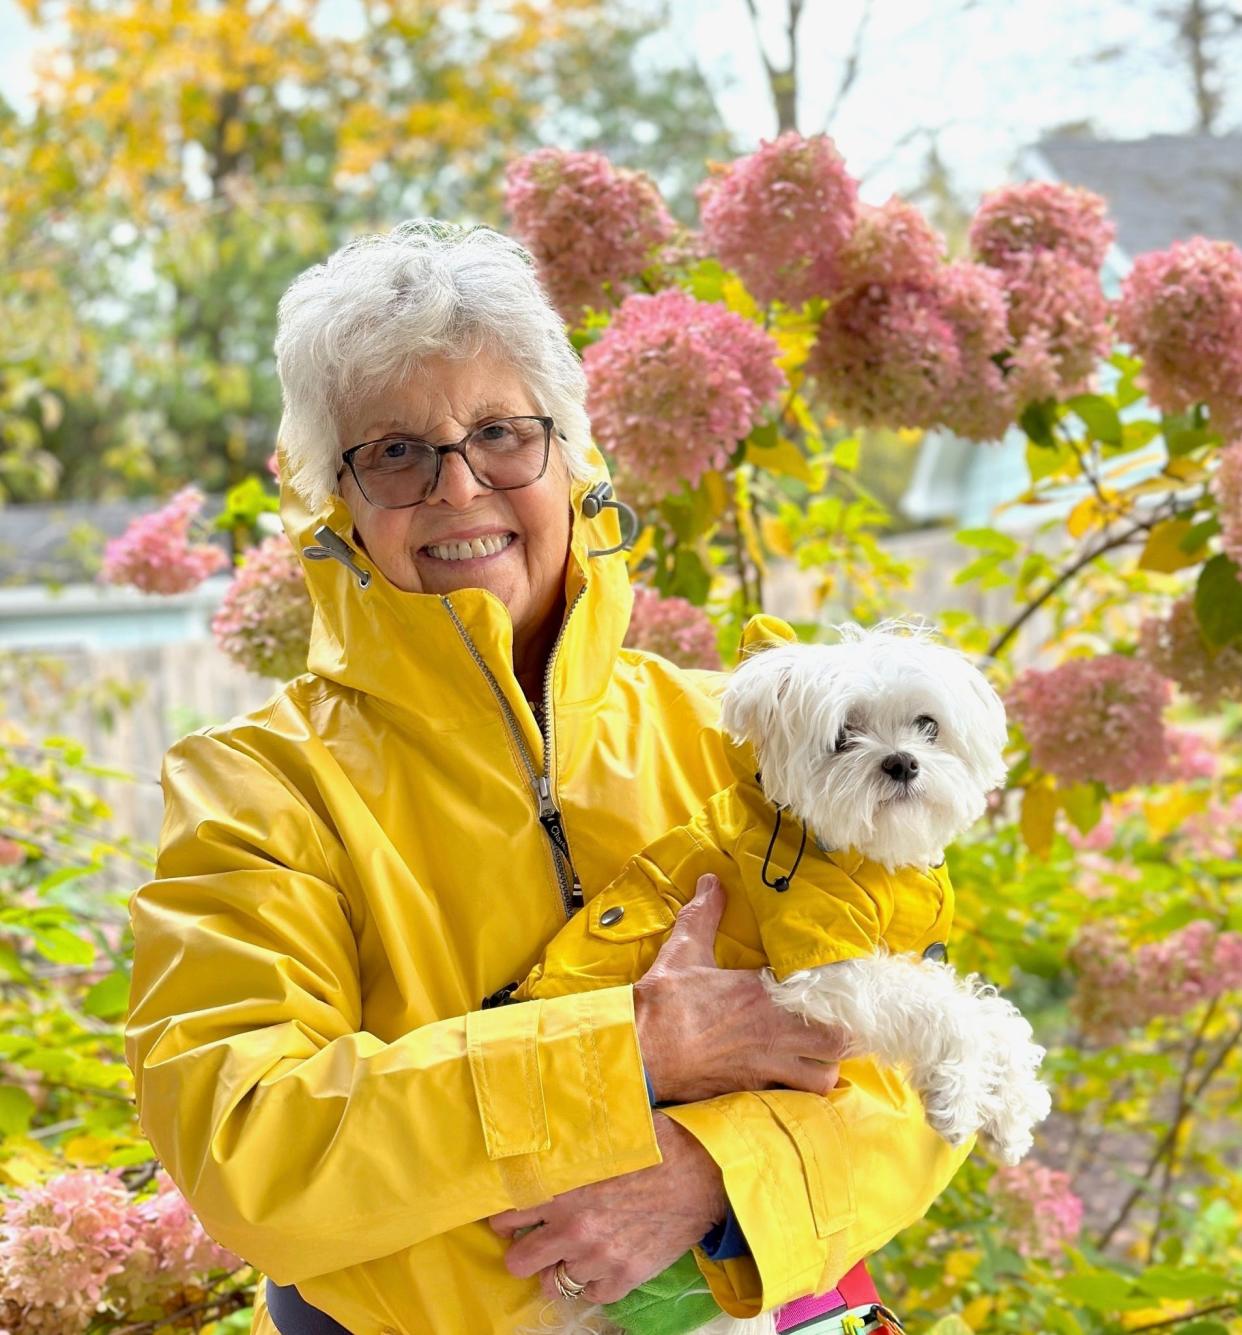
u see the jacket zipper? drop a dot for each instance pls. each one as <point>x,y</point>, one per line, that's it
<point>549,817</point>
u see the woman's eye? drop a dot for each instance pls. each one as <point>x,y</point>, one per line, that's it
<point>395,449</point>
<point>928,725</point>
<point>497,433</point>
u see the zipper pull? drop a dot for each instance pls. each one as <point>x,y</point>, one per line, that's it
<point>549,817</point>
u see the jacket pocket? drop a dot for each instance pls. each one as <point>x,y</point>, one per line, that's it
<point>628,913</point>
<point>818,1133</point>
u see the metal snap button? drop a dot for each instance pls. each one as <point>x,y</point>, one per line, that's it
<point>612,915</point>
<point>937,951</point>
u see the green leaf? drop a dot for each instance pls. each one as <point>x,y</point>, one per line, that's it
<point>950,1325</point>
<point>1082,804</point>
<point>1198,534</point>
<point>691,579</point>
<point>61,946</point>
<point>845,453</point>
<point>109,997</point>
<point>17,1109</point>
<point>1183,433</point>
<point>1037,421</point>
<point>1166,1281</point>
<point>63,876</point>
<point>1103,1292</point>
<point>706,280</point>
<point>1042,462</point>
<point>989,540</point>
<point>1099,415</point>
<point>1218,601</point>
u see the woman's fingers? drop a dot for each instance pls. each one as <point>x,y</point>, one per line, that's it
<point>509,1222</point>
<point>537,1250</point>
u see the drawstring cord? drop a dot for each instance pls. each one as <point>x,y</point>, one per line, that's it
<point>781,883</point>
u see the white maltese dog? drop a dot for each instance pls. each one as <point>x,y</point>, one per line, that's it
<point>882,748</point>
<point>888,743</point>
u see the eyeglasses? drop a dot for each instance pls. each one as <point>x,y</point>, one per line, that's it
<point>399,471</point>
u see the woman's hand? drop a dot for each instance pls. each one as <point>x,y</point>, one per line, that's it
<point>614,1235</point>
<point>703,1030</point>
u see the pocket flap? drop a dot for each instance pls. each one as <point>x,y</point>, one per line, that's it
<point>628,917</point>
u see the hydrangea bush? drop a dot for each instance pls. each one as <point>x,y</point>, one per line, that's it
<point>737,374</point>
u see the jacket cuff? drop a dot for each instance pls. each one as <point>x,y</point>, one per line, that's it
<point>791,1245</point>
<point>581,1054</point>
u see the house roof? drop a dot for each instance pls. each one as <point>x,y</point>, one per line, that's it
<point>1162,189</point>
<point>62,542</point>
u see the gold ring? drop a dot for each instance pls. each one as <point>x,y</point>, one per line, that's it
<point>565,1286</point>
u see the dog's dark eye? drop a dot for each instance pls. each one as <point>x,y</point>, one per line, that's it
<point>845,739</point>
<point>929,726</point>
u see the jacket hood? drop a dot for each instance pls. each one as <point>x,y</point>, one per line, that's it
<point>406,649</point>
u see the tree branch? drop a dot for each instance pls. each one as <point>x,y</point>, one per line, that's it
<point>1169,1137</point>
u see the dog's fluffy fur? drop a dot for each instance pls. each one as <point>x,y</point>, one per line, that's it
<point>889,743</point>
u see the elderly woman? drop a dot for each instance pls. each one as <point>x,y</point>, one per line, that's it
<point>349,876</point>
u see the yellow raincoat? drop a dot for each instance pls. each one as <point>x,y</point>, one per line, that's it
<point>345,873</point>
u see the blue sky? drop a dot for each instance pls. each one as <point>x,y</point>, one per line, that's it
<point>990,76</point>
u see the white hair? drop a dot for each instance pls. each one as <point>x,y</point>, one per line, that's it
<point>369,314</point>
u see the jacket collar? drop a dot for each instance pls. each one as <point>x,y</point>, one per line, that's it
<point>407,651</point>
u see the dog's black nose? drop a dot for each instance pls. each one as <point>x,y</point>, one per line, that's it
<point>901,765</point>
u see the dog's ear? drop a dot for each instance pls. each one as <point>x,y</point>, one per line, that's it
<point>751,700</point>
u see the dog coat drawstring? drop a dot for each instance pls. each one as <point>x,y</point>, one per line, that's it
<point>782,882</point>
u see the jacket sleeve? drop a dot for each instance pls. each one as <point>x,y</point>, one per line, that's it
<point>302,1141</point>
<point>817,1183</point>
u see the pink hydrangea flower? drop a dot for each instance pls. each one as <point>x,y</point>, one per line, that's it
<point>1174,645</point>
<point>1095,718</point>
<point>893,243</point>
<point>1191,755</point>
<point>673,628</point>
<point>12,854</point>
<point>1227,489</point>
<point>1181,312</point>
<point>886,356</point>
<point>1038,1207</point>
<point>779,216</point>
<point>155,554</point>
<point>981,406</point>
<point>675,383</point>
<point>1035,216</point>
<point>170,1231</point>
<point>1214,832</point>
<point>587,223</point>
<point>1058,324</point>
<point>1120,987</point>
<point>264,619</point>
<point>61,1242</point>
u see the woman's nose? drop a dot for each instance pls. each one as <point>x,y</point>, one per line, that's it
<point>457,485</point>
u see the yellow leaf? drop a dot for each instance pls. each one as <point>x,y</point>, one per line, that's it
<point>642,545</point>
<point>1163,550</point>
<point>1085,516</point>
<point>783,457</point>
<point>736,298</point>
<point>1038,820</point>
<point>716,493</point>
<point>776,535</point>
<point>977,1311</point>
<point>1167,813</point>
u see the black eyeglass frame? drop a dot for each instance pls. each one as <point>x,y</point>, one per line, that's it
<point>347,458</point>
